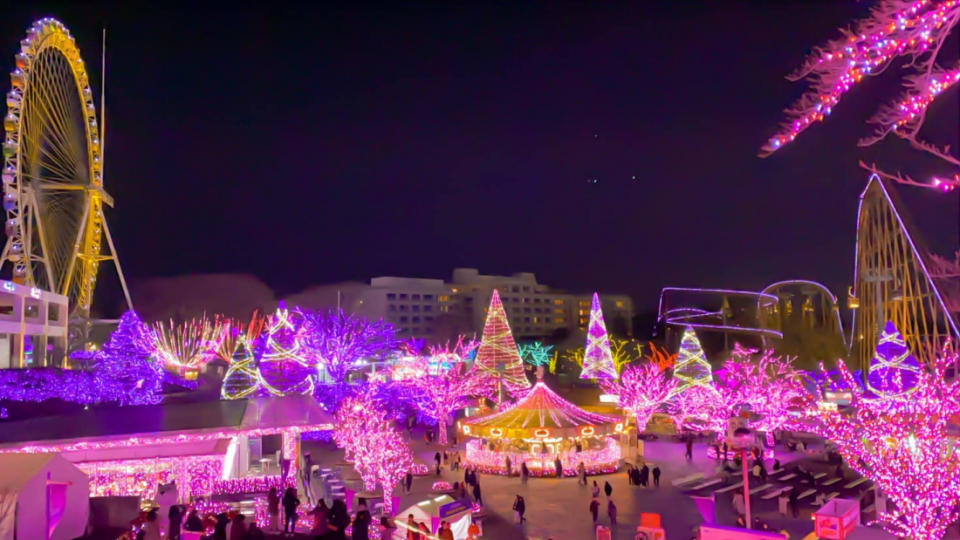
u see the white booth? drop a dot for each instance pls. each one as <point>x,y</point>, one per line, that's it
<point>456,512</point>
<point>42,497</point>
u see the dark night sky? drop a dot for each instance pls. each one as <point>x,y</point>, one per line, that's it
<point>317,144</point>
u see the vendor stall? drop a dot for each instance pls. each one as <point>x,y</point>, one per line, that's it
<point>432,511</point>
<point>537,430</point>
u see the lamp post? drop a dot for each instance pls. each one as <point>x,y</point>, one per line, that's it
<point>743,438</point>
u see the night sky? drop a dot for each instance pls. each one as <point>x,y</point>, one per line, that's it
<point>318,144</point>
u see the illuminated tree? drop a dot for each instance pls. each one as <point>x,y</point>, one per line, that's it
<point>911,30</point>
<point>597,360</point>
<point>498,355</point>
<point>285,368</point>
<point>125,368</point>
<point>893,370</point>
<point>439,393</point>
<point>184,348</point>
<point>659,356</point>
<point>692,368</point>
<point>340,340</point>
<point>906,447</point>
<point>380,454</point>
<point>536,353</point>
<point>242,378</point>
<point>641,390</point>
<point>232,330</point>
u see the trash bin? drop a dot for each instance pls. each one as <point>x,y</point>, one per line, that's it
<point>603,533</point>
<point>782,504</point>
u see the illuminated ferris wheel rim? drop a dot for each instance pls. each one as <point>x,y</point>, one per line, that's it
<point>45,35</point>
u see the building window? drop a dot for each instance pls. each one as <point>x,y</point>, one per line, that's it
<point>557,310</point>
<point>443,298</point>
<point>416,330</point>
<point>403,307</point>
<point>403,296</point>
<point>558,321</point>
<point>428,319</point>
<point>404,319</point>
<point>537,310</point>
<point>558,301</point>
<point>415,297</point>
<point>546,319</point>
<point>414,308</point>
<point>536,300</point>
<point>428,297</point>
<point>391,296</point>
<point>515,288</point>
<point>526,288</point>
<point>428,330</point>
<point>415,319</point>
<point>392,307</point>
<point>526,319</point>
<point>526,310</point>
<point>619,303</point>
<point>428,308</point>
<point>468,299</point>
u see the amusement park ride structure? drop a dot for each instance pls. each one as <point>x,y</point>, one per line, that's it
<point>53,192</point>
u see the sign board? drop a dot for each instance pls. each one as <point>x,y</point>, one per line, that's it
<point>455,507</point>
<point>717,532</point>
<point>650,533</point>
<point>837,519</point>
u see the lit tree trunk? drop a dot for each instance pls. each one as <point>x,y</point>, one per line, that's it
<point>442,431</point>
<point>388,500</point>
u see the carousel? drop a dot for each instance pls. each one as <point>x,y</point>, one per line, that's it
<point>537,430</point>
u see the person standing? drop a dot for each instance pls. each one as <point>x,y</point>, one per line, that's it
<point>794,503</point>
<point>724,451</point>
<point>476,493</point>
<point>445,532</point>
<point>319,514</point>
<point>408,481</point>
<point>175,515</point>
<point>559,466</point>
<point>594,509</point>
<point>290,504</point>
<point>238,529</point>
<point>689,451</point>
<point>361,524</point>
<point>607,488</point>
<point>519,507</point>
<point>595,492</point>
<point>151,529</point>
<point>509,471</point>
<point>194,523</point>
<point>644,475</point>
<point>524,473</point>
<point>612,513</point>
<point>273,509</point>
<point>338,519</point>
<point>656,476</point>
<point>582,473</point>
<point>412,529</point>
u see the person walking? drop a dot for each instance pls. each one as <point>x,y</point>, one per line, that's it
<point>524,473</point>
<point>476,493</point>
<point>607,488</point>
<point>151,529</point>
<point>408,481</point>
<point>193,523</point>
<point>436,458</point>
<point>595,492</point>
<point>519,507</point>
<point>509,471</point>
<point>445,532</point>
<point>656,476</point>
<point>594,509</point>
<point>644,475</point>
<point>794,503</point>
<point>582,473</point>
<point>290,503</point>
<point>612,513</point>
<point>175,515</point>
<point>361,524</point>
<point>689,452</point>
<point>319,514</point>
<point>412,529</point>
<point>238,529</point>
<point>559,466</point>
<point>273,510</point>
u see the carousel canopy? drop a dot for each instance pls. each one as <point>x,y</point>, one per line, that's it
<point>540,414</point>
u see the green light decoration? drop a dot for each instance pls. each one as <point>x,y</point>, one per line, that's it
<point>284,366</point>
<point>243,378</point>
<point>498,357</point>
<point>692,368</point>
<point>536,353</point>
<point>597,359</point>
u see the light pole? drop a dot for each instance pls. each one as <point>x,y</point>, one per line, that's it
<point>743,438</point>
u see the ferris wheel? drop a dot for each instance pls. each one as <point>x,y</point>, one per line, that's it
<point>52,175</point>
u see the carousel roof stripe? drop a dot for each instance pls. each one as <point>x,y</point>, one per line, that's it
<point>541,408</point>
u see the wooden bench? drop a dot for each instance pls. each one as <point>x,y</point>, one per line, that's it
<point>788,477</point>
<point>806,494</point>
<point>819,475</point>
<point>696,477</point>
<point>855,483</point>
<point>773,494</point>
<point>832,481</point>
<point>731,487</point>
<point>704,485</point>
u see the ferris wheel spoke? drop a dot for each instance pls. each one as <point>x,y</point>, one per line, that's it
<point>53,108</point>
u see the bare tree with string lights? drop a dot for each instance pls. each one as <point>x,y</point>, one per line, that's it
<point>910,30</point>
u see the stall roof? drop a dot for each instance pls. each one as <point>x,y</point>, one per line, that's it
<point>168,419</point>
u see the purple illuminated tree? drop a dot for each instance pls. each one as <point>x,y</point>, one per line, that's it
<point>338,340</point>
<point>438,393</point>
<point>126,366</point>
<point>641,390</point>
<point>597,359</point>
<point>893,370</point>
<point>910,30</point>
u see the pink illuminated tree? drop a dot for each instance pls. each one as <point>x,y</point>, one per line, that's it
<point>380,454</point>
<point>906,447</point>
<point>441,391</point>
<point>913,31</point>
<point>641,390</point>
<point>339,340</point>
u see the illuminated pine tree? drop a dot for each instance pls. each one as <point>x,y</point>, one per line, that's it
<point>126,369</point>
<point>285,368</point>
<point>692,368</point>
<point>498,351</point>
<point>597,359</point>
<point>242,378</point>
<point>894,372</point>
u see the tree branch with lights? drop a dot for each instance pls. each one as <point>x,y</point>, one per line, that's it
<point>641,390</point>
<point>339,340</point>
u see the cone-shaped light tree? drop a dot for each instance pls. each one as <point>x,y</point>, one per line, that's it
<point>285,368</point>
<point>498,353</point>
<point>692,368</point>
<point>894,372</point>
<point>597,359</point>
<point>242,378</point>
<point>126,366</point>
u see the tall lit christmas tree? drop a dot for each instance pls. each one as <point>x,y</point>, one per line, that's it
<point>285,368</point>
<point>242,378</point>
<point>126,369</point>
<point>894,372</point>
<point>692,368</point>
<point>498,355</point>
<point>597,360</point>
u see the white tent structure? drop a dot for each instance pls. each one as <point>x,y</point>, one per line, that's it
<point>432,511</point>
<point>42,497</point>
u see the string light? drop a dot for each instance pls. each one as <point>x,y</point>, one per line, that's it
<point>242,378</point>
<point>341,341</point>
<point>597,360</point>
<point>595,461</point>
<point>498,355</point>
<point>641,390</point>
<point>536,353</point>
<point>692,368</point>
<point>893,370</point>
<point>187,346</point>
<point>285,368</point>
